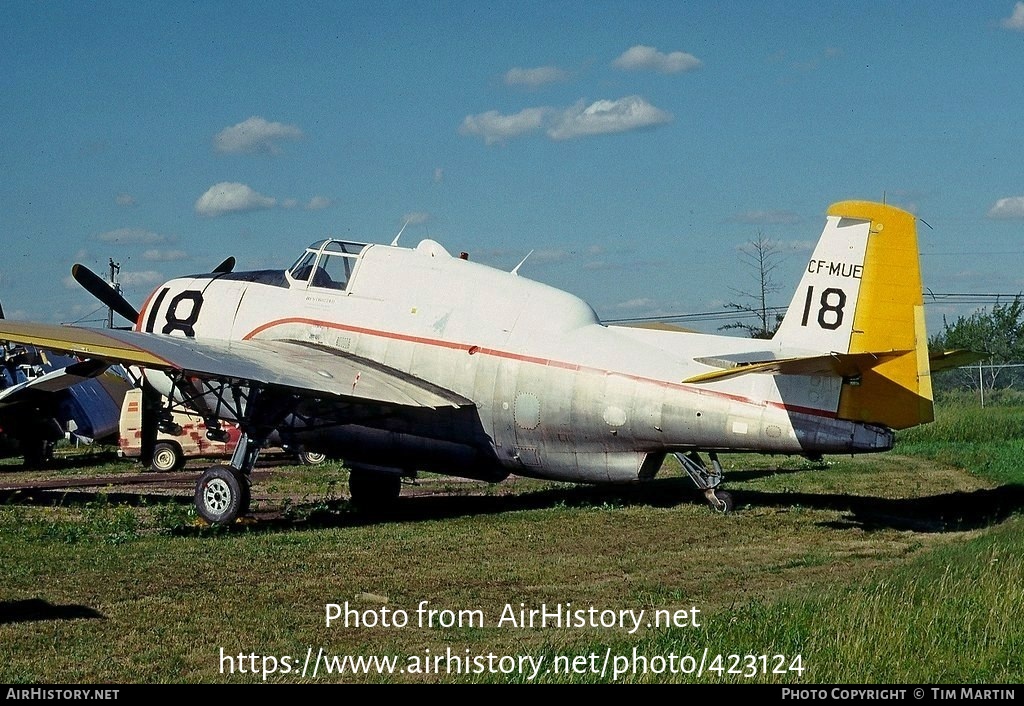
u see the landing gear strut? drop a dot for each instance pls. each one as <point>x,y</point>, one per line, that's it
<point>707,479</point>
<point>223,492</point>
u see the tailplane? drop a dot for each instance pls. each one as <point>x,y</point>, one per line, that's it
<point>858,314</point>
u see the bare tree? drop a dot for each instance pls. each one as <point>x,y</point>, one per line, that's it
<point>763,257</point>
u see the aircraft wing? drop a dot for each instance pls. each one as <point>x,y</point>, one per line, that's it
<point>306,369</point>
<point>54,381</point>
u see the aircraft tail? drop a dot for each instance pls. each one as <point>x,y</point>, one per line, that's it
<point>860,302</point>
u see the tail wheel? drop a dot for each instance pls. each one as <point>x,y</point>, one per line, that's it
<point>222,495</point>
<point>721,501</point>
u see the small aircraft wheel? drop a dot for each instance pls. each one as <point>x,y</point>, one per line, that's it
<point>373,490</point>
<point>311,458</point>
<point>723,502</point>
<point>166,458</point>
<point>222,495</point>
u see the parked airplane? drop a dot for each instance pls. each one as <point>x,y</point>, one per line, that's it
<point>44,397</point>
<point>397,359</point>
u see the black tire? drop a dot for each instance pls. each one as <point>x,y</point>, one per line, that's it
<point>166,458</point>
<point>725,502</point>
<point>311,458</point>
<point>373,490</point>
<point>222,495</point>
<point>36,452</point>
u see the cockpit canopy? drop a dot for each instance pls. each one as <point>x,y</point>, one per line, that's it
<point>327,264</point>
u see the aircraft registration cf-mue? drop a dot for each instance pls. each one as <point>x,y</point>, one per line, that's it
<point>400,359</point>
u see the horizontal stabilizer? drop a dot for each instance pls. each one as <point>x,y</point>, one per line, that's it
<point>947,360</point>
<point>845,365</point>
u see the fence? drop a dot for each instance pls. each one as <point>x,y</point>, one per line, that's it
<point>985,378</point>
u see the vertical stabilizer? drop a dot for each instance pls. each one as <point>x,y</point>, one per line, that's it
<point>861,293</point>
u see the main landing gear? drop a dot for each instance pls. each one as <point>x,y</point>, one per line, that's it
<point>222,495</point>
<point>707,479</point>
<point>223,492</point>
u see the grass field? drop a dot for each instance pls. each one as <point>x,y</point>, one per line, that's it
<point>897,568</point>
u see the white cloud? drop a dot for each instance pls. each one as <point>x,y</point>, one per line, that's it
<point>497,128</point>
<point>130,236</point>
<point>125,200</point>
<point>254,135</point>
<point>1016,20</point>
<point>598,118</point>
<point>533,78</point>
<point>319,202</point>
<point>547,256</point>
<point>1008,208</point>
<point>607,116</point>
<point>146,278</point>
<point>438,175</point>
<point>415,218</point>
<point>638,303</point>
<point>231,197</point>
<point>766,217</point>
<point>644,57</point>
<point>289,203</point>
<point>158,255</point>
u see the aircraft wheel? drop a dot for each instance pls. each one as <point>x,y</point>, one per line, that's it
<point>311,458</point>
<point>166,458</point>
<point>222,495</point>
<point>37,452</point>
<point>373,490</point>
<point>723,502</point>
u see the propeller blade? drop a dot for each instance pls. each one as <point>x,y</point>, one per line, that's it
<point>225,267</point>
<point>1,311</point>
<point>99,288</point>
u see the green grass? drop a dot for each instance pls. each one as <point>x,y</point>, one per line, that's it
<point>903,567</point>
<point>987,441</point>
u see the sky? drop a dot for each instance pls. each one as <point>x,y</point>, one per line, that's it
<point>634,147</point>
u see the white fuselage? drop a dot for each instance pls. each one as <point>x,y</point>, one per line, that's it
<point>556,393</point>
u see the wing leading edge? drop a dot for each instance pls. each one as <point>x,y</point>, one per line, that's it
<point>304,369</point>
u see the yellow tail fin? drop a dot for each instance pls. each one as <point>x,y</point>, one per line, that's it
<point>889,316</point>
<point>861,294</point>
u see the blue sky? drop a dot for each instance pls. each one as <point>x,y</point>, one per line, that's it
<point>634,146</point>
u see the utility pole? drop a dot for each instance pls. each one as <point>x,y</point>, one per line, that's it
<point>115,268</point>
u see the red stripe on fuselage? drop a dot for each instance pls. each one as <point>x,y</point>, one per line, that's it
<point>479,350</point>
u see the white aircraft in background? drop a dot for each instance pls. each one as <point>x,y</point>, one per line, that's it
<point>401,359</point>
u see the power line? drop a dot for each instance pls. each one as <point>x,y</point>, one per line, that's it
<point>743,314</point>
